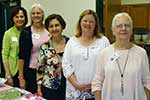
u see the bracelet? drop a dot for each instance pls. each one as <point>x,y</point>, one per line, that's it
<point>8,77</point>
<point>39,82</point>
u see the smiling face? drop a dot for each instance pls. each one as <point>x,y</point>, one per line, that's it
<point>88,24</point>
<point>122,28</point>
<point>36,15</point>
<point>55,27</point>
<point>19,19</point>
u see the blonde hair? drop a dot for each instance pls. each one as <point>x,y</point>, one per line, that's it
<point>97,32</point>
<point>37,5</point>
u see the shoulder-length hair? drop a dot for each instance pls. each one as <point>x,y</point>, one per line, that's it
<point>55,16</point>
<point>97,32</point>
<point>16,11</point>
<point>36,5</point>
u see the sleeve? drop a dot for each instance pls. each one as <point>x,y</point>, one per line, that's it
<point>99,75</point>
<point>6,47</point>
<point>106,41</point>
<point>145,72</point>
<point>68,69</point>
<point>22,45</point>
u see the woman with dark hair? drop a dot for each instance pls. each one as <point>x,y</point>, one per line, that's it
<point>80,55</point>
<point>10,46</point>
<point>51,82</point>
<point>30,41</point>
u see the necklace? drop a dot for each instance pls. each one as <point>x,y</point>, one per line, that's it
<point>59,47</point>
<point>122,72</point>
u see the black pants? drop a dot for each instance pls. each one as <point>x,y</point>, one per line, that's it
<point>30,78</point>
<point>16,80</point>
<point>59,94</point>
<point>50,94</point>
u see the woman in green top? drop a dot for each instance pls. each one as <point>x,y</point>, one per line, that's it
<point>10,46</point>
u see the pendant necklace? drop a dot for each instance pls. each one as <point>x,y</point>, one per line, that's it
<point>122,72</point>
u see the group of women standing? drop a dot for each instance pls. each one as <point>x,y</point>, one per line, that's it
<point>40,59</point>
<point>23,53</point>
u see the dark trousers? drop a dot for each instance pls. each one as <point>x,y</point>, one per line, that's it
<point>16,80</point>
<point>50,94</point>
<point>30,78</point>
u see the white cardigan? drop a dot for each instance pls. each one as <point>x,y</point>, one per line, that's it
<point>136,74</point>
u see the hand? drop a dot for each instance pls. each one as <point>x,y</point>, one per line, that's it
<point>88,87</point>
<point>10,82</point>
<point>22,83</point>
<point>85,87</point>
<point>39,90</point>
<point>40,93</point>
<point>82,87</point>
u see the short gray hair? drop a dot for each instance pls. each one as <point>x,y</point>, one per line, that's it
<point>119,15</point>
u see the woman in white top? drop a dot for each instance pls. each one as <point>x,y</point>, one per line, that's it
<point>80,54</point>
<point>122,68</point>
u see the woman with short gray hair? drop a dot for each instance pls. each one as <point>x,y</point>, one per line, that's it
<point>122,68</point>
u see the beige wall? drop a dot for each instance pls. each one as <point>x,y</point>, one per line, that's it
<point>135,1</point>
<point>69,9</point>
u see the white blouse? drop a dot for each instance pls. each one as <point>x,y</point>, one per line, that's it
<point>136,74</point>
<point>81,60</point>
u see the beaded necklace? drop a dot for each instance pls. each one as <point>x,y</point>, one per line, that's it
<point>122,71</point>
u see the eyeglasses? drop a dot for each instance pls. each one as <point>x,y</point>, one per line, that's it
<point>120,26</point>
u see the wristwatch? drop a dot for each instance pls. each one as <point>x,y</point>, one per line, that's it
<point>8,77</point>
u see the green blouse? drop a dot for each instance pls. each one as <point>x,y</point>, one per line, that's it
<point>10,49</point>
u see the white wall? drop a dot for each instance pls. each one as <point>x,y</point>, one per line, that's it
<point>69,9</point>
